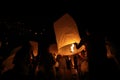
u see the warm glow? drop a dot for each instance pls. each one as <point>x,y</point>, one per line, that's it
<point>34,47</point>
<point>31,57</point>
<point>35,52</point>
<point>72,48</point>
<point>66,31</point>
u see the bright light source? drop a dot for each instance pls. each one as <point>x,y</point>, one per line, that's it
<point>72,48</point>
<point>35,33</point>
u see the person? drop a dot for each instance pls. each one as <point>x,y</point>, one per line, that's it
<point>32,66</point>
<point>97,59</point>
<point>21,61</point>
<point>48,64</point>
<point>25,62</point>
<point>62,67</point>
<point>68,62</point>
<point>84,65</point>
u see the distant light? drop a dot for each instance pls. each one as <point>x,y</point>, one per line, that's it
<point>35,33</point>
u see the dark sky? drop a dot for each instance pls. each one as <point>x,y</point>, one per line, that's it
<point>96,16</point>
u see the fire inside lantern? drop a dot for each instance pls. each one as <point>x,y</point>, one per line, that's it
<point>72,50</point>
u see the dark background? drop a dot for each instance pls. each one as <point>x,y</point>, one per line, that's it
<point>98,17</point>
<point>23,21</point>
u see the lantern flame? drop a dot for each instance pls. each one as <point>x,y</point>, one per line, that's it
<point>72,48</point>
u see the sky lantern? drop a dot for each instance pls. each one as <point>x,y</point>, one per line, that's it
<point>34,45</point>
<point>67,34</point>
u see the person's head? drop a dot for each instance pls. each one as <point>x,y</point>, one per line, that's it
<point>59,56</point>
<point>84,53</point>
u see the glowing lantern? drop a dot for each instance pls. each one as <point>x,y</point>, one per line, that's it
<point>66,34</point>
<point>34,47</point>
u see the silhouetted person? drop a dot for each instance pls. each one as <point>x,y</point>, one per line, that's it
<point>96,55</point>
<point>48,62</point>
<point>62,67</point>
<point>21,61</point>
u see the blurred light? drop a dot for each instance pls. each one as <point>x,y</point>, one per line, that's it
<point>72,48</point>
<point>34,45</point>
<point>35,33</point>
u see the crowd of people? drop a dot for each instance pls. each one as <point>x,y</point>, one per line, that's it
<point>51,66</point>
<point>44,66</point>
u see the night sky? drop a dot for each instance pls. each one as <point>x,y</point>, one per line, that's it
<point>99,17</point>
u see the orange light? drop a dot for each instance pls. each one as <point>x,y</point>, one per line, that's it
<point>72,48</point>
<point>34,47</point>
